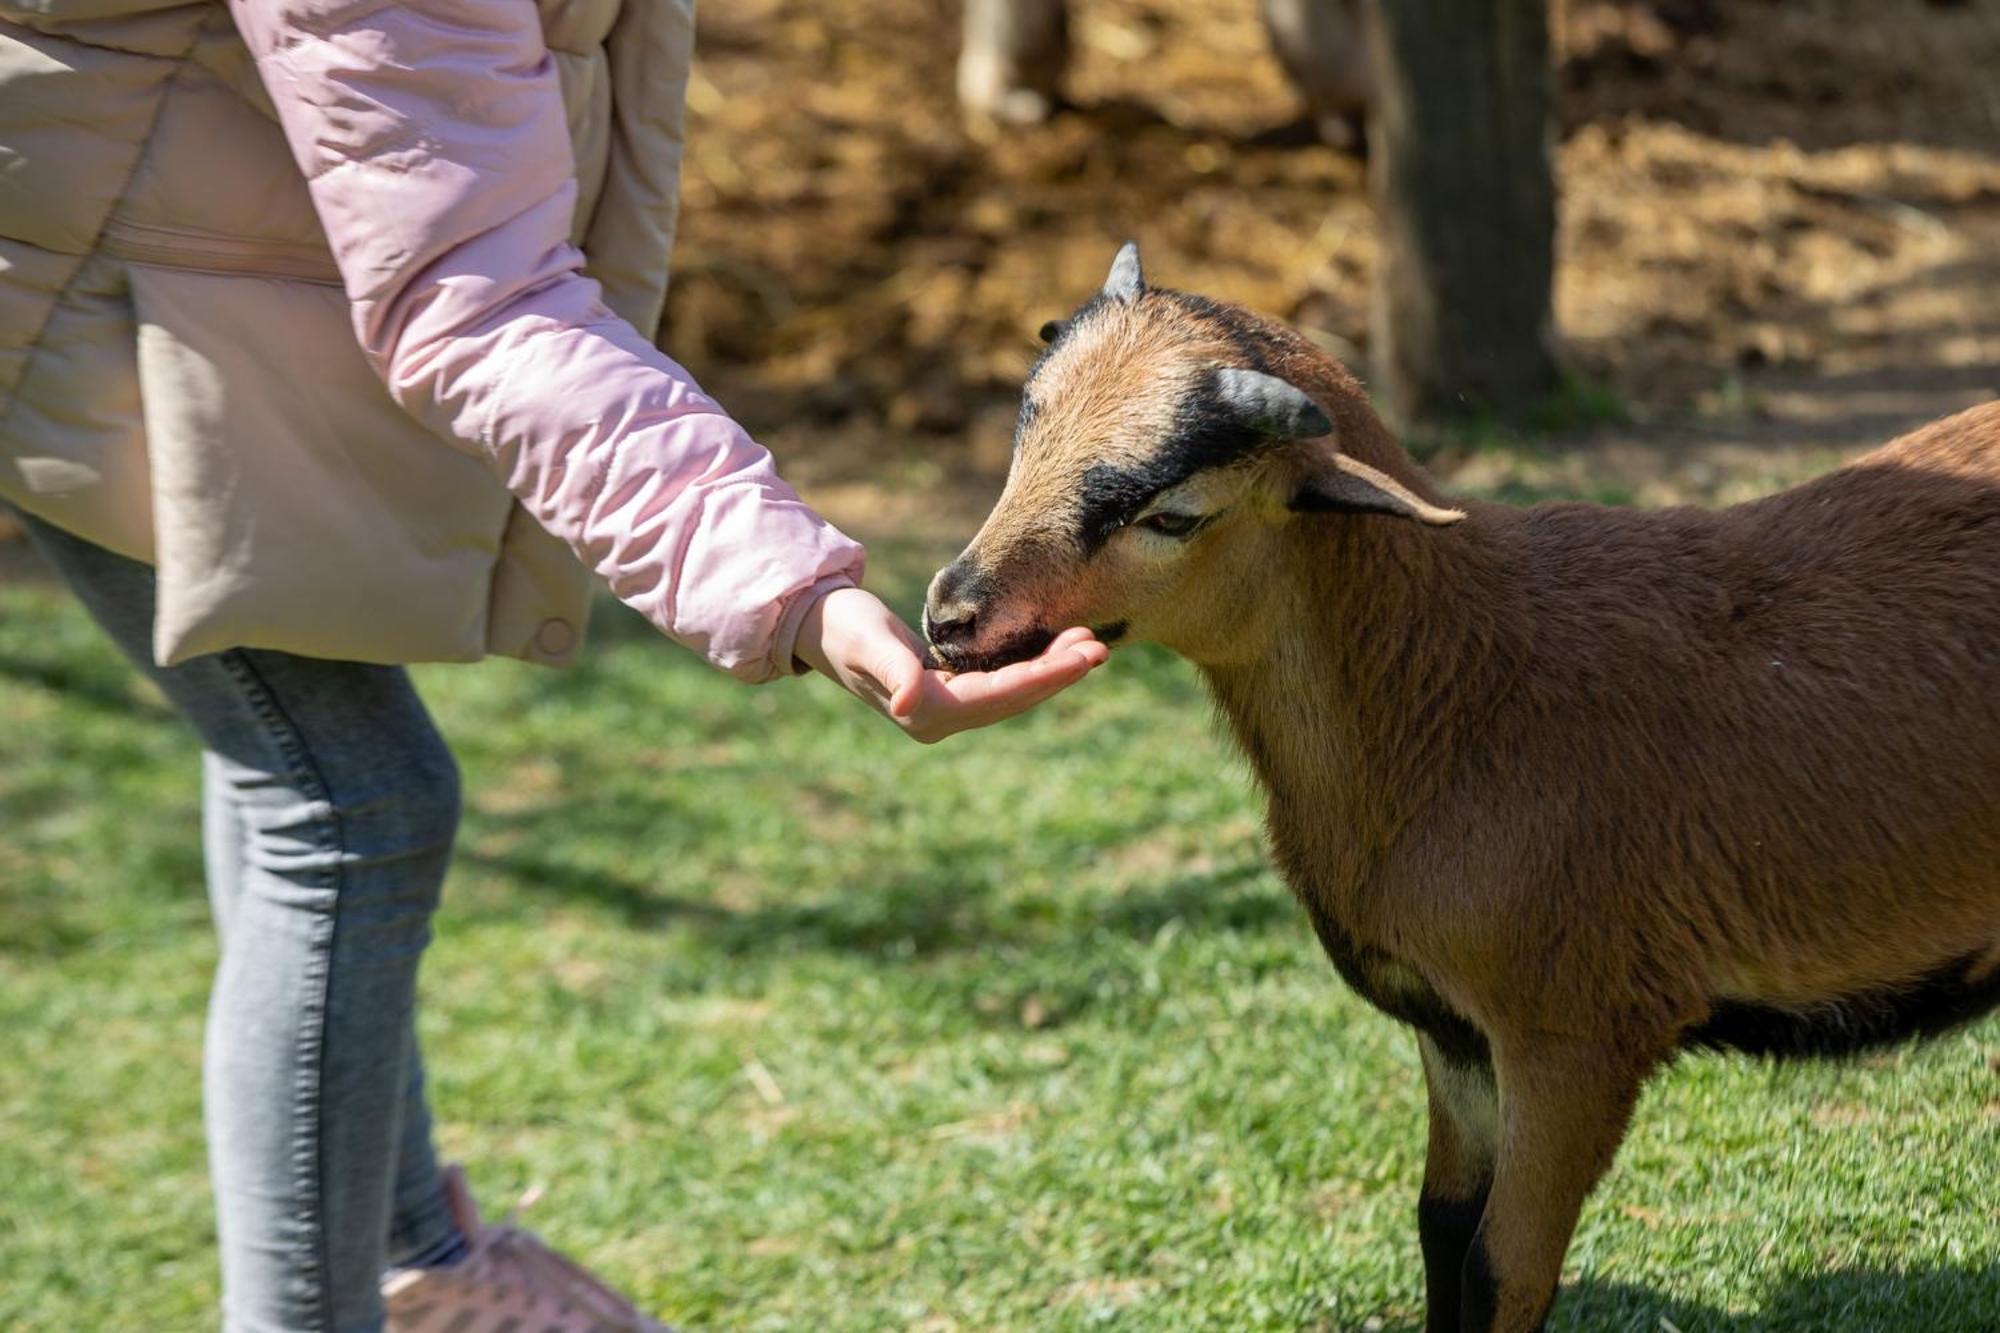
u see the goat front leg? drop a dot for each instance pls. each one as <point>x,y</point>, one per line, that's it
<point>1564,1106</point>
<point>1458,1170</point>
<point>1011,58</point>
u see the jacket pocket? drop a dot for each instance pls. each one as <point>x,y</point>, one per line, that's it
<point>295,505</point>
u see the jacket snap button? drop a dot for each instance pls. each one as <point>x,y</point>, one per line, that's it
<point>555,637</point>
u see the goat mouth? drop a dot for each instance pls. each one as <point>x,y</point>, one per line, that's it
<point>1017,647</point>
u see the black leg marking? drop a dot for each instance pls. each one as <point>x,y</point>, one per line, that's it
<point>1458,1174</point>
<point>1445,1228</point>
<point>1479,1295</point>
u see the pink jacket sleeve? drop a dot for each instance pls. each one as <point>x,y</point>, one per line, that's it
<point>432,135</point>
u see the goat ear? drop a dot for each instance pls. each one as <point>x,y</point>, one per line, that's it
<point>1341,485</point>
<point>1053,330</point>
<point>1269,405</point>
<point>1126,282</point>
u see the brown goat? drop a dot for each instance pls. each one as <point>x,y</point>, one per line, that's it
<point>1567,788</point>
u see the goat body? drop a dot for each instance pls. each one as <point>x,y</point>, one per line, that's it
<point>1722,778</point>
<point>1572,788</point>
<point>1568,788</point>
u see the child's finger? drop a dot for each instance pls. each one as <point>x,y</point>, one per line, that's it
<point>1069,638</point>
<point>1021,695</point>
<point>1080,642</point>
<point>905,687</point>
<point>1012,686</point>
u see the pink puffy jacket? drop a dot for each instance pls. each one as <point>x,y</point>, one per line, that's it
<point>432,136</point>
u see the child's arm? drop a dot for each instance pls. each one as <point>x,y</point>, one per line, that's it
<point>432,135</point>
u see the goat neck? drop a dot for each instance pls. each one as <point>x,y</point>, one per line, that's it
<point>1387,647</point>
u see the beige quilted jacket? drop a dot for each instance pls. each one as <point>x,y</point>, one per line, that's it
<point>180,379</point>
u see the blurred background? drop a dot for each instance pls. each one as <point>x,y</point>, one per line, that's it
<point>1778,240</point>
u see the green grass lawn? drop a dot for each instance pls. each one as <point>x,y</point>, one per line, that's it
<point>807,1027</point>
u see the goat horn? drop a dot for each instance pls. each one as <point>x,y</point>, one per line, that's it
<point>1269,405</point>
<point>1126,282</point>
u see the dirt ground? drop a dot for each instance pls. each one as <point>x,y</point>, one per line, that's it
<point>1780,230</point>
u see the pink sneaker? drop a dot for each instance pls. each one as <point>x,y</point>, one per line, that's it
<point>509,1282</point>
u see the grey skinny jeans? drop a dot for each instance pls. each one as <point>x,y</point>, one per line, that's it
<point>330,803</point>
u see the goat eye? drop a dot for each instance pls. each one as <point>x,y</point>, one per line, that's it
<point>1171,525</point>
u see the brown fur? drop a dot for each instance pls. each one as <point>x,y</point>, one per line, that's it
<point>1572,778</point>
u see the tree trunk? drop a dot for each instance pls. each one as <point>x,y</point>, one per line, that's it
<point>1465,196</point>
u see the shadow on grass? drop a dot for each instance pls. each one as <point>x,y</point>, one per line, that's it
<point>1864,1300</point>
<point>1213,900</point>
<point>952,891</point>
<point>952,904</point>
<point>1935,1300</point>
<point>638,903</point>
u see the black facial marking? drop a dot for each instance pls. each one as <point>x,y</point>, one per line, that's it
<point>1203,437</point>
<point>1112,633</point>
<point>1932,1004</point>
<point>1112,495</point>
<point>1445,1228</point>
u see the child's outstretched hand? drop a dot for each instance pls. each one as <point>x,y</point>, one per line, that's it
<point>850,636</point>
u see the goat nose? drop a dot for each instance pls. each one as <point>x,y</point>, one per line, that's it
<point>949,616</point>
<point>954,626</point>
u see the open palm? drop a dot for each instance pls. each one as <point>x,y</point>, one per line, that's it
<point>851,636</point>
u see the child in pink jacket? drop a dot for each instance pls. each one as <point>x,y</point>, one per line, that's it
<point>433,136</point>
<point>433,139</point>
